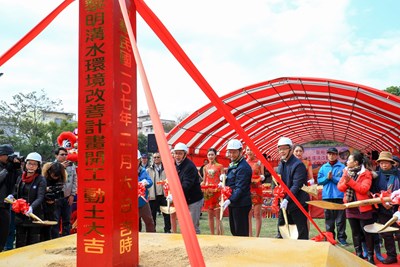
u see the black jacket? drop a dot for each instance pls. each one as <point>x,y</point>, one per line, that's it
<point>294,174</point>
<point>9,173</point>
<point>190,181</point>
<point>33,193</point>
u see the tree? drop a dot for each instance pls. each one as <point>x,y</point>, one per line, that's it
<point>394,90</point>
<point>26,130</point>
<point>142,143</point>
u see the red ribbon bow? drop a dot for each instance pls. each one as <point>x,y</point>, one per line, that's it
<point>279,192</point>
<point>226,192</point>
<point>20,206</point>
<point>381,195</point>
<point>141,191</point>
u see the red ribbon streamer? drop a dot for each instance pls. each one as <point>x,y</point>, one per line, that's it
<point>187,228</point>
<point>34,32</point>
<point>161,31</point>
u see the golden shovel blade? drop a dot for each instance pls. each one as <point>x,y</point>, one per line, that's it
<point>377,228</point>
<point>288,231</point>
<point>46,222</point>
<point>326,205</point>
<point>166,210</point>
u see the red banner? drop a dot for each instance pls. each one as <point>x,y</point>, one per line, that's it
<point>108,177</point>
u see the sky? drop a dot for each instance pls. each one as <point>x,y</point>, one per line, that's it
<point>233,43</point>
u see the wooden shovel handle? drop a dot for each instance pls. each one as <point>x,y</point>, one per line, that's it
<point>221,202</point>
<point>388,223</point>
<point>367,202</point>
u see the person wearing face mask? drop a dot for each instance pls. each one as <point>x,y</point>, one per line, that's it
<point>31,186</point>
<point>294,174</point>
<point>190,181</point>
<point>329,175</point>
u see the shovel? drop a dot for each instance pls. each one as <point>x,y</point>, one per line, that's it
<point>33,216</point>
<point>168,209</point>
<point>377,228</point>
<point>335,206</point>
<point>288,231</point>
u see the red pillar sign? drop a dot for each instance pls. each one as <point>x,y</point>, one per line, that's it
<point>107,188</point>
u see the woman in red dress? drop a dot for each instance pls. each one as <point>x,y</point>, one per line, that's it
<point>256,191</point>
<point>211,173</point>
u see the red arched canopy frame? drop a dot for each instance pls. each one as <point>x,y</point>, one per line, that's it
<point>303,109</point>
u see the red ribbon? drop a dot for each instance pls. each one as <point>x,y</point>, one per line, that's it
<point>141,191</point>
<point>325,236</point>
<point>20,206</point>
<point>381,195</point>
<point>279,192</point>
<point>226,192</point>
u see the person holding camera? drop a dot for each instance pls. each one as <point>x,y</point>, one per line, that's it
<point>63,205</point>
<point>56,176</point>
<point>10,169</point>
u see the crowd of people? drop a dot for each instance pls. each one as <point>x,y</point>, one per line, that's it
<point>50,189</point>
<point>36,191</point>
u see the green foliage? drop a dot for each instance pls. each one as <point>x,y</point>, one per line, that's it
<point>394,90</point>
<point>142,143</point>
<point>27,131</point>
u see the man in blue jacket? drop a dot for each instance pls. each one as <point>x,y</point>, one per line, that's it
<point>144,207</point>
<point>329,175</point>
<point>294,174</point>
<point>238,179</point>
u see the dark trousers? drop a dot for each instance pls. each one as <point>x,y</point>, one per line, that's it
<point>4,226</point>
<point>338,218</point>
<point>63,213</point>
<point>155,207</point>
<point>26,235</point>
<point>11,232</point>
<point>388,237</point>
<point>239,220</point>
<point>296,217</point>
<point>357,231</point>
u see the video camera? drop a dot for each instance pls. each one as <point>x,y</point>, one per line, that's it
<point>55,192</point>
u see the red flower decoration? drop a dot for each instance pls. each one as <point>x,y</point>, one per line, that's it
<point>20,206</point>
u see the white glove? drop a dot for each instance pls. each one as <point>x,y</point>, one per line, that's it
<point>226,204</point>
<point>169,197</point>
<point>10,198</point>
<point>221,177</point>
<point>144,182</point>
<point>220,185</point>
<point>262,177</point>
<point>28,212</point>
<point>310,182</point>
<point>284,204</point>
<point>397,214</point>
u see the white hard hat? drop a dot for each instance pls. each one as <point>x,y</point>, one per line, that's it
<point>234,144</point>
<point>181,146</point>
<point>34,156</point>
<point>284,141</point>
<point>138,154</point>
